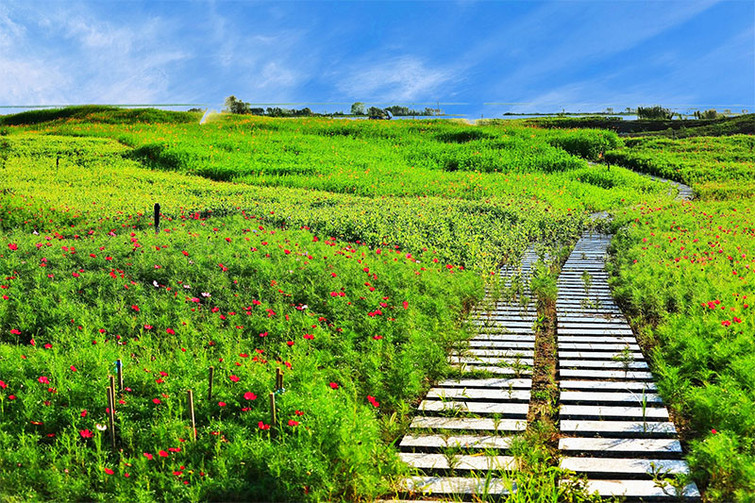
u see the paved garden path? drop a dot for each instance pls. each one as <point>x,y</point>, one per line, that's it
<point>461,435</point>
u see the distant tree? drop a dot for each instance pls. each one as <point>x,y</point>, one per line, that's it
<point>195,110</point>
<point>357,108</point>
<point>377,113</point>
<point>656,112</point>
<point>707,114</point>
<point>236,106</point>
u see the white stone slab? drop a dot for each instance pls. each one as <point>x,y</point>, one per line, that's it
<point>507,321</point>
<point>500,353</point>
<point>471,360</point>
<point>597,346</point>
<point>622,466</point>
<point>607,411</point>
<point>469,424</point>
<point>608,385</point>
<point>610,319</point>
<point>433,461</point>
<point>597,339</point>
<point>602,364</point>
<point>503,409</point>
<point>592,326</point>
<point>493,383</point>
<point>616,428</point>
<point>503,328</point>
<point>460,441</point>
<point>479,394</point>
<point>605,374</point>
<point>595,331</point>
<point>456,485</point>
<point>497,337</point>
<point>492,369</point>
<point>597,355</point>
<point>514,345</point>
<point>608,397</point>
<point>638,489</point>
<point>611,445</point>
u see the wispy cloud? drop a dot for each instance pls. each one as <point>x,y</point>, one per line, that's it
<point>401,78</point>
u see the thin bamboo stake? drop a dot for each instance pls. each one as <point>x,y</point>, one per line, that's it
<point>111,414</point>
<point>190,393</point>
<point>119,369</point>
<point>273,415</point>
<point>278,379</point>
<point>209,390</point>
<point>111,379</point>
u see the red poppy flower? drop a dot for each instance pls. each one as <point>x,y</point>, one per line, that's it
<point>292,422</point>
<point>263,426</point>
<point>13,246</point>
<point>222,404</point>
<point>85,434</point>
<point>250,396</point>
<point>333,385</point>
<point>234,378</point>
<point>148,455</point>
<point>163,454</point>
<point>109,471</point>
<point>43,380</point>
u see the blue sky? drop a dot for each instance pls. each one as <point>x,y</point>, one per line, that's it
<point>523,55</point>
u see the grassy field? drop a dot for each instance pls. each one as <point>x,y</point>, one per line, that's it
<point>343,252</point>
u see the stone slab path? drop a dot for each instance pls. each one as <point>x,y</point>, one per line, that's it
<point>615,429</point>
<point>460,438</point>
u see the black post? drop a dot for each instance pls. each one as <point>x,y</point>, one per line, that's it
<point>157,218</point>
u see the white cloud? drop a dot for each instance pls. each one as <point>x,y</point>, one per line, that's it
<point>403,78</point>
<point>31,82</point>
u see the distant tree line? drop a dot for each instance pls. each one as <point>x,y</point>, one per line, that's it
<point>236,106</point>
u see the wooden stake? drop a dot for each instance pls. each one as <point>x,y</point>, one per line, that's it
<point>209,390</point>
<point>157,218</point>
<point>273,415</point>
<point>119,369</point>
<point>278,379</point>
<point>111,378</point>
<point>190,393</point>
<point>111,414</point>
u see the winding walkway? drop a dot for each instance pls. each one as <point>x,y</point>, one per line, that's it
<point>615,429</point>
